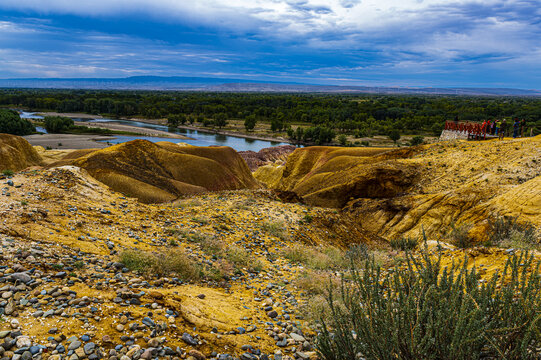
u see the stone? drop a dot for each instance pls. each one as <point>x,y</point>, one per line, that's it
<point>282,343</point>
<point>74,345</point>
<point>21,276</point>
<point>24,341</point>
<point>197,354</point>
<point>89,348</point>
<point>147,354</point>
<point>149,322</point>
<point>297,337</point>
<point>10,308</point>
<point>272,314</point>
<point>188,339</point>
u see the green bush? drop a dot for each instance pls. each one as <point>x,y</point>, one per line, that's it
<point>417,140</point>
<point>425,311</point>
<point>57,124</point>
<point>11,123</point>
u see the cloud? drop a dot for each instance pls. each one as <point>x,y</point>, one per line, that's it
<point>301,39</point>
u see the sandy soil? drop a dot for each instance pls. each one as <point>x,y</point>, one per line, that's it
<point>68,141</point>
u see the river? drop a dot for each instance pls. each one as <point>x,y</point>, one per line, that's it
<point>199,138</point>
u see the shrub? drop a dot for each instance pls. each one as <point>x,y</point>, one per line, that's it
<point>7,172</point>
<point>404,244</point>
<point>307,219</point>
<point>57,124</point>
<point>275,228</point>
<point>175,262</point>
<point>417,140</point>
<point>460,236</point>
<point>423,311</point>
<point>11,123</point>
<point>342,139</point>
<point>317,259</point>
<point>136,260</point>
<point>507,231</point>
<point>161,264</point>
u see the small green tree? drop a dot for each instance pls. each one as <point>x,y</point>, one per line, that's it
<point>176,120</point>
<point>417,140</point>
<point>249,122</point>
<point>57,124</point>
<point>342,139</point>
<point>220,120</point>
<point>394,135</point>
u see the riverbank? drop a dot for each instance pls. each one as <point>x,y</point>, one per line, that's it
<point>163,122</point>
<point>278,139</point>
<point>68,141</point>
<point>133,130</point>
<point>70,115</point>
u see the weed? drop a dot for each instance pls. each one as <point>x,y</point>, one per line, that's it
<point>136,260</point>
<point>24,202</point>
<point>7,172</point>
<point>79,264</point>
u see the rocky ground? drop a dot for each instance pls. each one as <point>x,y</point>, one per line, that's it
<point>88,273</point>
<point>65,293</point>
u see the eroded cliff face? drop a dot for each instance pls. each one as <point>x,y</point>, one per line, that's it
<point>266,156</point>
<point>397,193</point>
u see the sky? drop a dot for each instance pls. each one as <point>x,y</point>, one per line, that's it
<point>437,43</point>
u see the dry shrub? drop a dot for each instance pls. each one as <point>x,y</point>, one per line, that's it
<point>275,228</point>
<point>162,264</point>
<point>316,258</point>
<point>460,236</point>
<point>240,257</point>
<point>316,282</point>
<point>176,262</point>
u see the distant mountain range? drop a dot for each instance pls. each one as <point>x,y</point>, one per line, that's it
<point>238,85</point>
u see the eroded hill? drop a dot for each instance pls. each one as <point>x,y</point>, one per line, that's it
<point>16,153</point>
<point>164,171</point>
<point>396,193</point>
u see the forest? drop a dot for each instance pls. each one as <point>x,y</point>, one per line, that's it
<point>357,114</point>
